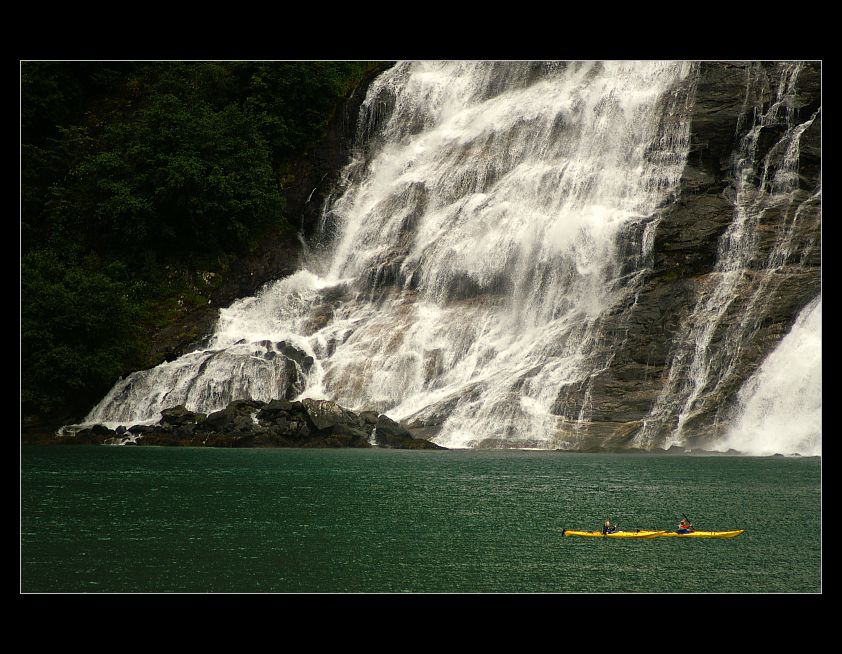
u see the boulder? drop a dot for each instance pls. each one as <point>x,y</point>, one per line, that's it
<point>304,360</point>
<point>325,414</point>
<point>95,435</point>
<point>179,415</point>
<point>388,433</point>
<point>238,418</point>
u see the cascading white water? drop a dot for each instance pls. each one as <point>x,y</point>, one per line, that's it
<point>780,406</point>
<point>471,259</point>
<point>704,360</point>
<point>497,212</point>
<point>241,361</point>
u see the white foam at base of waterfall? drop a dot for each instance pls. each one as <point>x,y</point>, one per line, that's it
<point>780,406</point>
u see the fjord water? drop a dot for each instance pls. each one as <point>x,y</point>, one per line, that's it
<point>131,519</point>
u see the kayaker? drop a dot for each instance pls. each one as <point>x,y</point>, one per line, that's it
<point>684,527</point>
<point>608,528</point>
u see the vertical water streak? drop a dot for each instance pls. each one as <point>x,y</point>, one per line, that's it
<point>735,298</point>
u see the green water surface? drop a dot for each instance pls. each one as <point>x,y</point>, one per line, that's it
<point>150,519</point>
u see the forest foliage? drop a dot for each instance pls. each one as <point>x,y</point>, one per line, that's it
<point>137,177</point>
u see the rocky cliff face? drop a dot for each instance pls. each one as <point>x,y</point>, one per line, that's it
<point>637,401</point>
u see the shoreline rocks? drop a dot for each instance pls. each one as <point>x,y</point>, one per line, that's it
<point>252,423</point>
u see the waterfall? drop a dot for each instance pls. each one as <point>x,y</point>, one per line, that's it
<point>255,354</point>
<point>779,408</point>
<point>485,238</point>
<point>737,297</point>
<point>493,216</point>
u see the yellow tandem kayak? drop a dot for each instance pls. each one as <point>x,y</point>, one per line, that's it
<point>639,533</point>
<point>651,533</point>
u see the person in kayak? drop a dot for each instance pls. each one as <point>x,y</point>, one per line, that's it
<point>684,527</point>
<point>608,528</point>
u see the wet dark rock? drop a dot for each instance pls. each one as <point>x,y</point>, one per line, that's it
<point>318,318</point>
<point>238,419</point>
<point>389,433</point>
<point>325,414</point>
<point>95,435</point>
<point>294,354</point>
<point>179,416</point>
<point>685,250</point>
<point>425,432</point>
<point>252,423</point>
<point>369,418</point>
